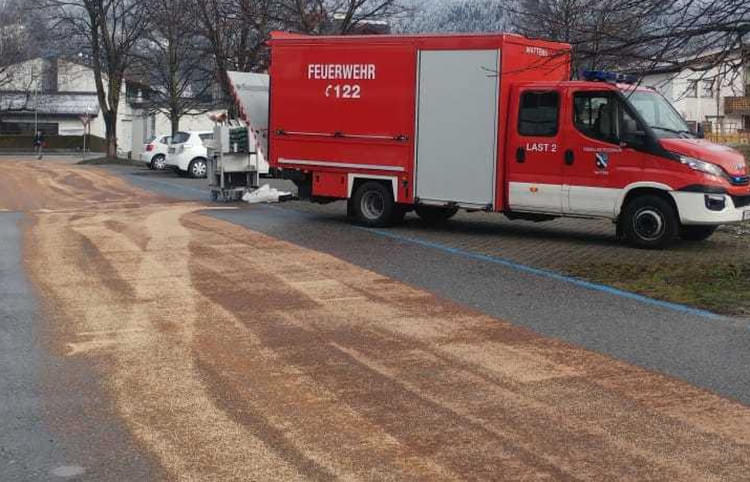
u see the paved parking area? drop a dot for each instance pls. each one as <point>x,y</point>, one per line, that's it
<point>561,245</point>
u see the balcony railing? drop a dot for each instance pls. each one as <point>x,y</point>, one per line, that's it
<point>737,105</point>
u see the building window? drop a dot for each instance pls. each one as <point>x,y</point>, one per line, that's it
<point>538,114</point>
<point>692,89</point>
<point>707,89</point>
<point>28,128</point>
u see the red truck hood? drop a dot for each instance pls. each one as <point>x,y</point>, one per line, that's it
<point>732,161</point>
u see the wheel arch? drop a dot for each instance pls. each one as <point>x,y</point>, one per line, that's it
<point>356,180</point>
<point>643,188</point>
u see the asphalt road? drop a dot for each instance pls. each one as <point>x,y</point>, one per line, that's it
<point>147,334</point>
<point>702,348</point>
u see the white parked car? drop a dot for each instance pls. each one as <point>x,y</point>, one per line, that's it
<point>155,152</point>
<point>188,153</point>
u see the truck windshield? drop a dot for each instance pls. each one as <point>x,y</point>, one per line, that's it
<point>659,114</point>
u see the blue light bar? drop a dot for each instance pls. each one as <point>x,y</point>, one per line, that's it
<point>604,76</point>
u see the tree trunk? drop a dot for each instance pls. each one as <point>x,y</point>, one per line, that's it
<point>175,121</point>
<point>110,122</point>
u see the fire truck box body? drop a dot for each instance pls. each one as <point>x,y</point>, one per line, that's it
<point>424,112</point>
<point>490,122</point>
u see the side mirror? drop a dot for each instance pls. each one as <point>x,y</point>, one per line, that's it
<point>631,136</point>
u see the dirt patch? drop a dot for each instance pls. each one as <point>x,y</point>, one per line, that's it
<point>230,355</point>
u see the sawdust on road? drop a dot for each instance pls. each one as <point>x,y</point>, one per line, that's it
<point>232,355</point>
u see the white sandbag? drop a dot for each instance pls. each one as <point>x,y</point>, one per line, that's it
<point>265,194</point>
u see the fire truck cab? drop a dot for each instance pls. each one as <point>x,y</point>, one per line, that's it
<point>438,123</point>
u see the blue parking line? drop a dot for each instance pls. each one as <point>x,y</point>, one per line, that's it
<point>550,274</point>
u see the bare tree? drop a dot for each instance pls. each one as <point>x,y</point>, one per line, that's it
<point>235,32</point>
<point>107,32</point>
<point>639,33</point>
<point>333,16</point>
<point>172,62</point>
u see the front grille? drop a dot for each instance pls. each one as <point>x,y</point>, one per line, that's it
<point>740,180</point>
<point>741,201</point>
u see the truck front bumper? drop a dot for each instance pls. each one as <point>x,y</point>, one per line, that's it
<point>697,208</point>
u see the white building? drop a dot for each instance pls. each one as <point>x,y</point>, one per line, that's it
<point>53,94</point>
<point>718,96</point>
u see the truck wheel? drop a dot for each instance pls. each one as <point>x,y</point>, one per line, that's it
<point>650,222</point>
<point>198,168</point>
<point>697,233</point>
<point>435,214</point>
<point>373,205</point>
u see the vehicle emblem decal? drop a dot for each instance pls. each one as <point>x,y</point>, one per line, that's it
<point>602,160</point>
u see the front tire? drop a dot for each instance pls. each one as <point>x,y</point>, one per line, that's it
<point>650,222</point>
<point>372,205</point>
<point>697,233</point>
<point>198,168</point>
<point>435,214</point>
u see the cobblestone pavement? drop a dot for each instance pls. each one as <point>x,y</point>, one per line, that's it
<point>557,245</point>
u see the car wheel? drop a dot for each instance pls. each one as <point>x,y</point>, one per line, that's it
<point>159,162</point>
<point>650,222</point>
<point>197,168</point>
<point>373,205</point>
<point>435,214</point>
<point>697,233</point>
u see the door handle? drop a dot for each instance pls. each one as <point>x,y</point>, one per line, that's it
<point>520,155</point>
<point>569,157</point>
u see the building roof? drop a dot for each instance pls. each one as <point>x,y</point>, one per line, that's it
<point>51,104</point>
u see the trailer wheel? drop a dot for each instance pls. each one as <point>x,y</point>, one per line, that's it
<point>373,205</point>
<point>650,222</point>
<point>697,233</point>
<point>435,214</point>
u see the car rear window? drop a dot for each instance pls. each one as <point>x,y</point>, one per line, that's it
<point>206,137</point>
<point>180,138</point>
<point>165,139</point>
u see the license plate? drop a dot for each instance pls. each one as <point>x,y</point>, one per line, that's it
<point>746,215</point>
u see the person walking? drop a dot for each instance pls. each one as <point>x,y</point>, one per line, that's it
<point>39,144</point>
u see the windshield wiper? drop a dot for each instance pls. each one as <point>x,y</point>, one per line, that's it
<point>674,131</point>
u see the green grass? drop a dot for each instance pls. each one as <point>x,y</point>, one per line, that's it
<point>723,288</point>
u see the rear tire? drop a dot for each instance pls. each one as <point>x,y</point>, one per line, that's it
<point>372,205</point>
<point>435,214</point>
<point>697,233</point>
<point>158,163</point>
<point>650,222</point>
<point>198,168</point>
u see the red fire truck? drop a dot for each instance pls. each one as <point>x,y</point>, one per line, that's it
<point>437,123</point>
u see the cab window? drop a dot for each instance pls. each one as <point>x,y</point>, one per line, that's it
<point>595,115</point>
<point>538,114</point>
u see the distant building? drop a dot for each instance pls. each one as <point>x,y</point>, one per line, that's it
<point>52,95</point>
<point>717,96</point>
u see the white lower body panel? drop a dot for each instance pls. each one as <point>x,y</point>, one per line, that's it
<point>693,210</point>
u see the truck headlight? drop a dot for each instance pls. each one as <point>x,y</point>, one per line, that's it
<point>703,166</point>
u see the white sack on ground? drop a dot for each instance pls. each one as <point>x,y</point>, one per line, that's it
<point>265,194</point>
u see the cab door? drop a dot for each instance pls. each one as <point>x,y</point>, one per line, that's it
<point>534,153</point>
<point>596,166</point>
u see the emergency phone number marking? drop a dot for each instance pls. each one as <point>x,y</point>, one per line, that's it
<point>342,72</point>
<point>345,91</point>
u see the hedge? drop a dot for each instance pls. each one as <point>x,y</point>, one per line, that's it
<point>53,143</point>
